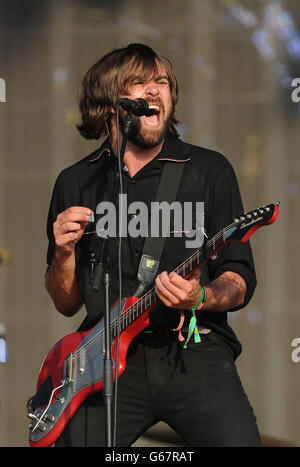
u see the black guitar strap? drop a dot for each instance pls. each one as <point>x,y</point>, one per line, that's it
<point>153,246</point>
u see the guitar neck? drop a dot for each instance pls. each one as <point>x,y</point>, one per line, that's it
<point>240,229</point>
<point>198,258</point>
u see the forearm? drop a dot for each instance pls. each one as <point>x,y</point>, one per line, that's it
<point>62,285</point>
<point>226,292</point>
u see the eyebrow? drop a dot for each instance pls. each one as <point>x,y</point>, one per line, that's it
<point>150,78</point>
<point>158,78</point>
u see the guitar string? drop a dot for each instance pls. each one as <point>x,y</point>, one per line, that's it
<point>134,308</point>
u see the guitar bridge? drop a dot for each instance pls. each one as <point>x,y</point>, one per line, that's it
<point>69,369</point>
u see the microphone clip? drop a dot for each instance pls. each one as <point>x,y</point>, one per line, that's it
<point>138,107</point>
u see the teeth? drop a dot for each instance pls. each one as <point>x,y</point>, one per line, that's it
<point>154,107</point>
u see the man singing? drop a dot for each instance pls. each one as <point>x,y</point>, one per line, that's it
<point>192,386</point>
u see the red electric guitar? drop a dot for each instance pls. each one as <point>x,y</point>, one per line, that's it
<point>73,369</point>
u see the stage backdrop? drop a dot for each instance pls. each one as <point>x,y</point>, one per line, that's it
<point>235,61</point>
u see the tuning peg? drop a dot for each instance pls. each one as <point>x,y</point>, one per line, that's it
<point>32,416</point>
<point>41,426</point>
<point>49,417</point>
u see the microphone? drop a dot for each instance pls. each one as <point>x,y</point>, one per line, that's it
<point>138,108</point>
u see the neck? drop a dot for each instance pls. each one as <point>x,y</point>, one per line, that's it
<point>135,157</point>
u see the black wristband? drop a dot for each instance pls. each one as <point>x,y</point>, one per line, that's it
<point>204,296</point>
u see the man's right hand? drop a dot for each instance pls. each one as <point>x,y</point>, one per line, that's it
<point>60,278</point>
<point>69,227</point>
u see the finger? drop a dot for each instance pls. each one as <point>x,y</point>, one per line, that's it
<point>63,240</point>
<point>61,229</point>
<point>187,286</point>
<point>181,283</point>
<point>164,300</point>
<point>79,209</point>
<point>189,289</point>
<point>166,282</point>
<point>164,294</point>
<point>72,217</point>
<point>61,232</point>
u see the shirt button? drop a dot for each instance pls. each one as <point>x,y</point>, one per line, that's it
<point>137,253</point>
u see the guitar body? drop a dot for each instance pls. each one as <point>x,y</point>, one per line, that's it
<point>71,371</point>
<point>74,367</point>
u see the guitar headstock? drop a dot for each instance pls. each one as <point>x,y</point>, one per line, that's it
<point>243,227</point>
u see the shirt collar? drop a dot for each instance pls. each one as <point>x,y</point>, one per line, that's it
<point>173,150</point>
<point>105,149</point>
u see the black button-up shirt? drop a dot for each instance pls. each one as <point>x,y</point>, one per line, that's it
<point>208,177</point>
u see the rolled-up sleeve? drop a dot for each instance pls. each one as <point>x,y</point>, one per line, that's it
<point>224,206</point>
<point>56,206</point>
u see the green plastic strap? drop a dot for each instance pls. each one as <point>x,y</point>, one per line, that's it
<point>193,329</point>
<point>200,299</point>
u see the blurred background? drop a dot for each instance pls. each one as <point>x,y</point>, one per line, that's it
<point>235,62</point>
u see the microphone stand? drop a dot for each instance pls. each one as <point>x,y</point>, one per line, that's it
<point>126,128</point>
<point>101,271</point>
<point>108,363</point>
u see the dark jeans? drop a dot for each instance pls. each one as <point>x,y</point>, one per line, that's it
<point>196,391</point>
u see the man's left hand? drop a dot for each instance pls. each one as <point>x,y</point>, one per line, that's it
<point>176,292</point>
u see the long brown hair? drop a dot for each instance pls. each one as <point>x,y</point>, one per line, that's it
<point>110,77</point>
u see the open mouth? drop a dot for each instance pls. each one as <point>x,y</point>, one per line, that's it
<point>153,116</point>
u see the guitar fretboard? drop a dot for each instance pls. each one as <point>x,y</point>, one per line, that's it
<point>207,250</point>
<point>240,229</point>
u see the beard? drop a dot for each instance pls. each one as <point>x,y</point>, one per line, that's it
<point>146,137</point>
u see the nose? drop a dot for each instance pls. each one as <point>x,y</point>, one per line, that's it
<point>152,89</point>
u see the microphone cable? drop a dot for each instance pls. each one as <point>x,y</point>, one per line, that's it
<point>119,276</point>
